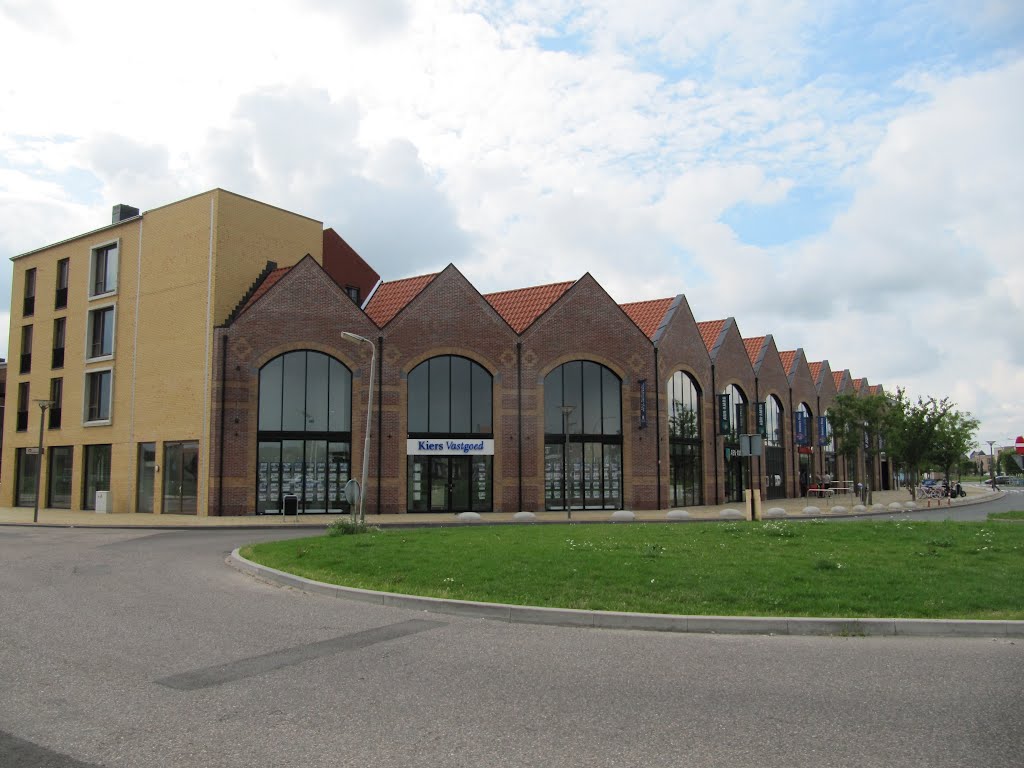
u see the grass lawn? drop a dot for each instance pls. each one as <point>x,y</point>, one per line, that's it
<point>879,569</point>
<point>1018,515</point>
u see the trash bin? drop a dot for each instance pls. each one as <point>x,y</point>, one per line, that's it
<point>291,504</point>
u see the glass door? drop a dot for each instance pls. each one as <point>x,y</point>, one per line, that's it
<point>181,478</point>
<point>146,482</point>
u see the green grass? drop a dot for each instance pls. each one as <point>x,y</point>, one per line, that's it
<point>883,569</point>
<point>1018,515</point>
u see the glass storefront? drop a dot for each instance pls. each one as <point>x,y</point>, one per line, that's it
<point>181,477</point>
<point>737,468</point>
<point>146,481</point>
<point>684,440</point>
<point>305,434</point>
<point>583,437</point>
<point>97,473</point>
<point>58,476</point>
<point>450,404</point>
<point>27,473</point>
<point>774,450</point>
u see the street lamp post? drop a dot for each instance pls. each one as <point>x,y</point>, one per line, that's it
<point>566,410</point>
<point>369,409</point>
<point>992,463</point>
<point>43,405</point>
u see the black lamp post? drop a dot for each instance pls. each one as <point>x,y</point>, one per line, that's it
<point>43,405</point>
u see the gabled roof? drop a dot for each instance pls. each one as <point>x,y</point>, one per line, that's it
<point>815,372</point>
<point>875,389</point>
<point>648,314</point>
<point>391,298</point>
<point>754,347</point>
<point>788,360</point>
<point>710,331</point>
<point>521,307</point>
<point>268,282</point>
<point>857,384</point>
<point>837,379</point>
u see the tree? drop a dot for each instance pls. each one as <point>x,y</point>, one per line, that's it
<point>953,438</point>
<point>911,428</point>
<point>858,421</point>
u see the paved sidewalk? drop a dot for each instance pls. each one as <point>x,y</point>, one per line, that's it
<point>836,506</point>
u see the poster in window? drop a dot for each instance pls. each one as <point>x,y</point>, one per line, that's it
<point>321,467</point>
<point>264,466</point>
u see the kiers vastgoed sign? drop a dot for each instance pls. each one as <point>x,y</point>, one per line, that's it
<point>449,447</point>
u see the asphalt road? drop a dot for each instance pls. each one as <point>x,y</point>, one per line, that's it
<point>135,648</point>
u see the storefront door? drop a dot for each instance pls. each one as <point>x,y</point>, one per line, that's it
<point>449,484</point>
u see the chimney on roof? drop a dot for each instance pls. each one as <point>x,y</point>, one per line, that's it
<point>122,212</point>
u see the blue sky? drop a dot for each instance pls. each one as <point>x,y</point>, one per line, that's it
<point>843,175</point>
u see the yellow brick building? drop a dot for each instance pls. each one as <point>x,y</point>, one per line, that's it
<point>115,328</point>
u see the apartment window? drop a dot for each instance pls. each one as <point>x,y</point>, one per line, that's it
<point>97,395</point>
<point>59,328</point>
<point>22,424</point>
<point>97,473</point>
<point>56,397</point>
<point>101,332</point>
<point>61,299</point>
<point>353,293</point>
<point>26,349</point>
<point>103,270</point>
<point>29,305</point>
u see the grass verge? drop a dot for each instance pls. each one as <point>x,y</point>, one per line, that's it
<point>872,569</point>
<point>1018,515</point>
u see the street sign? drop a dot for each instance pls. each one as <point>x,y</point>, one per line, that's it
<point>1020,445</point>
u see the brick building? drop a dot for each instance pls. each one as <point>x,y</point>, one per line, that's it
<point>229,385</point>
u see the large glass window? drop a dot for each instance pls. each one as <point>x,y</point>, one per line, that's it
<point>56,399</point>
<point>103,270</point>
<point>305,433</point>
<point>58,475</point>
<point>21,424</point>
<point>737,469</point>
<point>449,397</point>
<point>582,437</point>
<point>97,395</point>
<point>27,469</point>
<point>59,331</point>
<point>60,300</point>
<point>101,332</point>
<point>828,443</point>
<point>774,450</point>
<point>802,437</point>
<point>97,474</point>
<point>684,437</point>
<point>26,349</point>
<point>29,304</point>
<point>146,477</point>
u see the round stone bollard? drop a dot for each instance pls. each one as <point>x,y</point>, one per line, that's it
<point>524,517</point>
<point>840,510</point>
<point>774,512</point>
<point>468,517</point>
<point>895,506</point>
<point>731,514</point>
<point>910,505</point>
<point>878,508</point>
<point>622,516</point>
<point>859,509</point>
<point>678,514</point>
<point>811,511</point>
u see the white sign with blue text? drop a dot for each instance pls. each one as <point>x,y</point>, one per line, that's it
<point>455,446</point>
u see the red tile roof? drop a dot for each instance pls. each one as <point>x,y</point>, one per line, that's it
<point>875,389</point>
<point>815,371</point>
<point>788,359</point>
<point>391,298</point>
<point>710,331</point>
<point>266,285</point>
<point>857,384</point>
<point>524,305</point>
<point>754,346</point>
<point>837,379</point>
<point>648,314</point>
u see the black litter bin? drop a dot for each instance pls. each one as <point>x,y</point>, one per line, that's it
<point>291,504</point>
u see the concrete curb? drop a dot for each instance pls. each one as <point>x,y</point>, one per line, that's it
<point>652,622</point>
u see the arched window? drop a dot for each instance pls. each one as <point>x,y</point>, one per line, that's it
<point>684,439</point>
<point>582,437</point>
<point>305,433</point>
<point>450,443</point>
<point>774,449</point>
<point>733,412</point>
<point>828,443</point>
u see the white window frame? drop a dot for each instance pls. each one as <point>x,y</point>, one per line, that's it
<point>85,399</point>
<point>88,332</point>
<point>92,268</point>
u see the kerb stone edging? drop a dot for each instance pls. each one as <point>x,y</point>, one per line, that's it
<point>656,622</point>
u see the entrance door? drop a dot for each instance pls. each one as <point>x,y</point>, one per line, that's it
<point>449,484</point>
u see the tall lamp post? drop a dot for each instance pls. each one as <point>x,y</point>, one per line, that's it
<point>992,463</point>
<point>369,408</point>
<point>566,410</point>
<point>43,405</point>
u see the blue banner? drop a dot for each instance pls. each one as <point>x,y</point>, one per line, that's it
<point>801,428</point>
<point>822,430</point>
<point>723,414</point>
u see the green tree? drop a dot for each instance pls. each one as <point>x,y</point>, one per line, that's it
<point>858,423</point>
<point>911,427</point>
<point>953,438</point>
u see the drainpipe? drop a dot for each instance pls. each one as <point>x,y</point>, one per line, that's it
<point>380,416</point>
<point>519,419</point>
<point>761,471</point>
<point>792,434</point>
<point>223,399</point>
<point>657,420</point>
<point>714,433</point>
